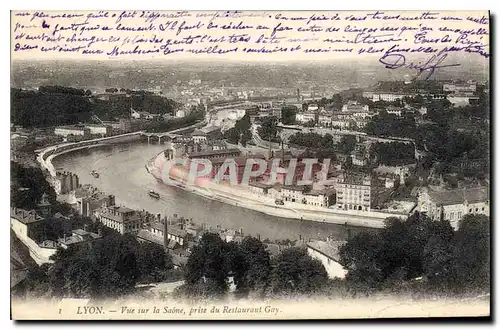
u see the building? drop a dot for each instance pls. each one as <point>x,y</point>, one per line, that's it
<point>259,188</point>
<point>176,237</point>
<point>323,198</point>
<point>27,223</point>
<point>212,154</point>
<point>354,192</point>
<point>72,130</point>
<point>239,165</point>
<point>180,113</point>
<point>120,218</point>
<point>129,125</point>
<point>460,100</point>
<point>470,87</point>
<point>213,132</point>
<point>325,120</point>
<point>79,237</point>
<point>65,182</point>
<point>199,136</point>
<point>452,205</point>
<point>401,171</point>
<point>353,106</point>
<point>44,206</point>
<point>340,121</point>
<point>305,117</point>
<point>292,193</point>
<point>86,200</point>
<point>312,107</point>
<point>358,159</point>
<point>397,111</point>
<point>328,253</point>
<point>17,141</point>
<point>103,130</point>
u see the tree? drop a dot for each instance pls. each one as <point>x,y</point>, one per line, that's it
<point>288,115</point>
<point>153,262</point>
<point>257,264</point>
<point>393,153</point>
<point>337,101</point>
<point>206,264</point>
<point>108,268</point>
<point>268,129</point>
<point>295,272</point>
<point>471,262</point>
<point>240,133</point>
<point>402,251</point>
<point>28,184</point>
<point>360,257</point>
<point>347,143</point>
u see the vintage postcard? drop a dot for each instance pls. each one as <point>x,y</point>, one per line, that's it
<point>249,165</point>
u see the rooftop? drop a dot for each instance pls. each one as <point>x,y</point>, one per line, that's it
<point>123,209</point>
<point>329,249</point>
<point>148,236</point>
<point>459,196</point>
<point>296,187</point>
<point>210,129</point>
<point>208,153</point>
<point>80,128</point>
<point>198,132</point>
<point>259,184</point>
<point>24,216</point>
<point>118,218</point>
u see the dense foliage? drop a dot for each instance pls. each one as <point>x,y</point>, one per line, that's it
<point>174,123</point>
<point>241,132</point>
<point>55,105</point>
<point>213,261</point>
<point>420,249</point>
<point>110,267</point>
<point>268,130</point>
<point>394,153</point>
<point>28,184</point>
<point>288,114</point>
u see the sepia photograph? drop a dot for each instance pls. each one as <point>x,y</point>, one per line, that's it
<point>249,165</point>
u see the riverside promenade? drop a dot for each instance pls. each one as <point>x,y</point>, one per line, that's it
<point>241,197</point>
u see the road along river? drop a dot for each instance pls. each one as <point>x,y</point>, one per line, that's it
<point>123,174</point>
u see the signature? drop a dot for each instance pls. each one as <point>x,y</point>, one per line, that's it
<point>424,68</point>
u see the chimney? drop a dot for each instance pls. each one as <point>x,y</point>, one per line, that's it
<point>99,232</point>
<point>85,227</point>
<point>158,217</point>
<point>165,235</point>
<point>241,231</point>
<point>258,237</point>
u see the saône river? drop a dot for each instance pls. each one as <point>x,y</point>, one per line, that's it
<point>123,174</point>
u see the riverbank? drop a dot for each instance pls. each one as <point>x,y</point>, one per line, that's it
<point>240,197</point>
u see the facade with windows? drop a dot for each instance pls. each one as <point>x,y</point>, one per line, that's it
<point>121,219</point>
<point>452,205</point>
<point>354,193</point>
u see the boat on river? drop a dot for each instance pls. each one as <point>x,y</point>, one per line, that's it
<point>154,194</point>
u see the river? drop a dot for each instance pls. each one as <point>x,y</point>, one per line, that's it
<point>123,174</point>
